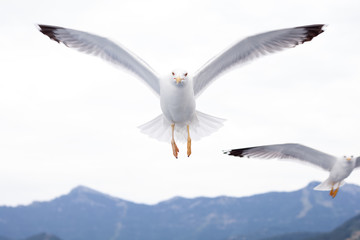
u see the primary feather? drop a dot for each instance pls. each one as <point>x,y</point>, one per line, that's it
<point>251,48</point>
<point>104,48</point>
<point>287,151</point>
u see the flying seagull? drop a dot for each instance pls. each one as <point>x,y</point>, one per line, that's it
<point>178,89</point>
<point>339,167</point>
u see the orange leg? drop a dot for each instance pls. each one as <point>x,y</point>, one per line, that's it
<point>188,142</point>
<point>332,191</point>
<point>336,191</point>
<point>173,144</point>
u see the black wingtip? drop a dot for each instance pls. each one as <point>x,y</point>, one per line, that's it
<point>236,152</point>
<point>49,31</point>
<point>312,31</point>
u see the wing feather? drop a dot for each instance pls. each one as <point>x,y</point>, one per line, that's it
<point>287,151</point>
<point>251,48</point>
<point>357,163</point>
<point>104,48</point>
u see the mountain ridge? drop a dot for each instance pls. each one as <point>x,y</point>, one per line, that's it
<point>81,189</point>
<point>40,236</point>
<point>85,213</point>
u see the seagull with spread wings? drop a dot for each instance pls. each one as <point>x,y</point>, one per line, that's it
<point>178,89</point>
<point>339,167</point>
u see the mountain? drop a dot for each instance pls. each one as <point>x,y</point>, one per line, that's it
<point>41,236</point>
<point>295,236</point>
<point>85,214</point>
<point>350,230</point>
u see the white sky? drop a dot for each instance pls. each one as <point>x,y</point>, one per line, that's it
<point>69,119</point>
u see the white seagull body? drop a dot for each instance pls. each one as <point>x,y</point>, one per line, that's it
<point>178,90</point>
<point>339,167</point>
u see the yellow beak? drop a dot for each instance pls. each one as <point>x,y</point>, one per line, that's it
<point>348,159</point>
<point>178,79</point>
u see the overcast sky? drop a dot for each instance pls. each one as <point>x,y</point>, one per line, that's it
<point>69,119</point>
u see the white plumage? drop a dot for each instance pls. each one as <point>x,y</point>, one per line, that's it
<point>178,90</point>
<point>339,167</point>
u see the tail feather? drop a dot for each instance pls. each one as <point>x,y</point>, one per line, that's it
<point>327,185</point>
<point>205,125</point>
<point>157,128</point>
<point>201,126</point>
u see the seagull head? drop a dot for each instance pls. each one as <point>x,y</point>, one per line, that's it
<point>179,76</point>
<point>349,158</point>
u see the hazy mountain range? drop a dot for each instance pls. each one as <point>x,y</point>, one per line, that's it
<point>86,214</point>
<point>41,236</point>
<point>350,230</point>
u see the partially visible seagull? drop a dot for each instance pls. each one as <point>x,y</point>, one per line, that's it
<point>178,89</point>
<point>339,167</point>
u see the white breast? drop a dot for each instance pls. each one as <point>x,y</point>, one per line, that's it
<point>177,101</point>
<point>341,170</point>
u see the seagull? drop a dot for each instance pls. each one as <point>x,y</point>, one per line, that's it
<point>178,89</point>
<point>339,167</point>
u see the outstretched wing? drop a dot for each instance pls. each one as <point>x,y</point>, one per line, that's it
<point>104,48</point>
<point>251,48</point>
<point>287,151</point>
<point>357,163</point>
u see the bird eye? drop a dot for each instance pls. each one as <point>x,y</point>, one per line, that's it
<point>344,156</point>
<point>352,156</point>
<point>185,74</point>
<point>173,73</point>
